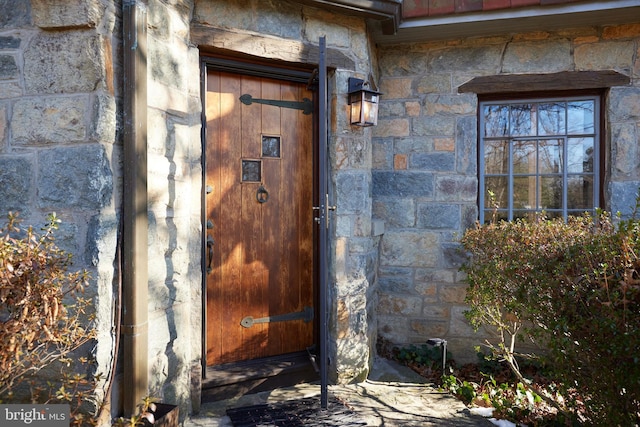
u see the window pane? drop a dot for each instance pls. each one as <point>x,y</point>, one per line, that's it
<point>581,116</point>
<point>500,215</point>
<point>550,156</point>
<point>270,146</point>
<point>528,214</point>
<point>552,118</point>
<point>524,157</point>
<point>523,119</point>
<point>553,214</point>
<point>251,170</point>
<point>580,192</point>
<point>496,157</point>
<point>580,155</point>
<point>551,192</point>
<point>496,120</point>
<point>524,192</point>
<point>498,185</point>
<point>539,155</point>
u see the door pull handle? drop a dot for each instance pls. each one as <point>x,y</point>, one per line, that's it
<point>210,243</point>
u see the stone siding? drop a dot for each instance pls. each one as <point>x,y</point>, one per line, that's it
<point>425,161</point>
<point>58,146</point>
<point>61,150</point>
<point>174,201</point>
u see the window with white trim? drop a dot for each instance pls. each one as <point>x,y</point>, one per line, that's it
<point>539,155</point>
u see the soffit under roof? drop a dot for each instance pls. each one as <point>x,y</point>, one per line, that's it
<point>386,13</point>
<point>512,20</point>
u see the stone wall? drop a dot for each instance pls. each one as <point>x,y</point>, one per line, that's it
<point>425,161</point>
<point>59,150</point>
<point>288,32</point>
<point>174,197</point>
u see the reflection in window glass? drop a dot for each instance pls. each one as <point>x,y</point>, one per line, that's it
<point>524,157</point>
<point>524,192</point>
<point>496,157</point>
<point>496,192</point>
<point>550,156</point>
<point>581,117</point>
<point>539,155</point>
<point>550,193</point>
<point>580,153</point>
<point>580,192</point>
<point>496,120</point>
<point>551,118</point>
<point>523,120</point>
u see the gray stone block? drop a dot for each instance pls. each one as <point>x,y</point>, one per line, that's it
<point>74,177</point>
<point>435,125</point>
<point>438,216</point>
<point>14,14</point>
<point>15,184</point>
<point>58,119</point>
<point>353,192</point>
<point>65,14</point>
<point>435,162</point>
<point>9,42</point>
<point>65,62</point>
<point>465,59</point>
<point>8,67</point>
<point>403,184</point>
<point>537,56</point>
<point>624,150</point>
<point>409,249</point>
<point>624,104</point>
<point>397,213</point>
<point>467,145</point>
<point>623,197</point>
<point>456,188</point>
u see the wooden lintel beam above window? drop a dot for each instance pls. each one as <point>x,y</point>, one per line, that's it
<point>566,80</point>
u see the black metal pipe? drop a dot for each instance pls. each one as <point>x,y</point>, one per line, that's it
<point>324,211</point>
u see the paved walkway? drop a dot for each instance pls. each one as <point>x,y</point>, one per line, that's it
<point>392,396</point>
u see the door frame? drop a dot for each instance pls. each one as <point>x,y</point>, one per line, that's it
<point>298,73</point>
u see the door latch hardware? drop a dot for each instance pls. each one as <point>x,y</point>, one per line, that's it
<point>306,314</point>
<point>210,243</point>
<point>262,195</point>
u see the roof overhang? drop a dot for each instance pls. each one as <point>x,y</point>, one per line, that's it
<point>388,13</point>
<point>506,21</point>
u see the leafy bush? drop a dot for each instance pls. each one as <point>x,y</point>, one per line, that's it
<point>574,287</point>
<point>43,318</point>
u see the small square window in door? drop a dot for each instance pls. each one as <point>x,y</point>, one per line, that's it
<point>251,170</point>
<point>270,146</point>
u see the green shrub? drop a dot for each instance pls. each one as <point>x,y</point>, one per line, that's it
<point>574,288</point>
<point>43,317</point>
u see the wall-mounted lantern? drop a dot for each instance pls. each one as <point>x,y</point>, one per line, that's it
<point>364,103</point>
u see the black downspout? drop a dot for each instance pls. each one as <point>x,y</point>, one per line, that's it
<point>135,216</point>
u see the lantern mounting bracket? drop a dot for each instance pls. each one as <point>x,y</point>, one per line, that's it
<point>357,84</point>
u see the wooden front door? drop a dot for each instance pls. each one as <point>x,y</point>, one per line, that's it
<point>259,218</point>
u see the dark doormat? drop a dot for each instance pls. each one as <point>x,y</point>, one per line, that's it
<point>295,413</point>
